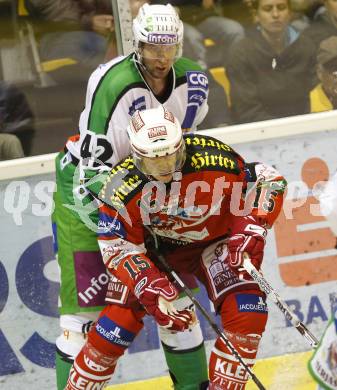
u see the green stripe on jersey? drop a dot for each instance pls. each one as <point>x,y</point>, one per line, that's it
<point>119,79</point>
<point>184,64</point>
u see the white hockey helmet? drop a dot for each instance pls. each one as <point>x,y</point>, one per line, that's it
<point>158,25</point>
<point>157,143</point>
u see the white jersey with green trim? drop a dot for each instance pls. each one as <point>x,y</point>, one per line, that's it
<point>117,89</point>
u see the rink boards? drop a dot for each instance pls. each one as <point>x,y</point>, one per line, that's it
<point>299,261</point>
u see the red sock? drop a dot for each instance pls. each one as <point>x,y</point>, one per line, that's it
<point>91,369</point>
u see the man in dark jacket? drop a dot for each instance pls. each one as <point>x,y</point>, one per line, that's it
<point>271,71</point>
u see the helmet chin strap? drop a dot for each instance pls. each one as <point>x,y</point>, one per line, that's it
<point>138,60</point>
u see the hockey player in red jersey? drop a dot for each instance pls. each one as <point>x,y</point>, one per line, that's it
<point>206,207</point>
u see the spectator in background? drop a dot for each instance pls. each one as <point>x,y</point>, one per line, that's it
<point>324,96</point>
<point>300,18</point>
<point>77,33</point>
<point>10,147</point>
<point>303,12</point>
<point>16,122</point>
<point>325,24</point>
<point>308,7</point>
<point>271,71</point>
<point>203,21</point>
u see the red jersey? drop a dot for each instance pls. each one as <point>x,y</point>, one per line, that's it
<point>214,187</point>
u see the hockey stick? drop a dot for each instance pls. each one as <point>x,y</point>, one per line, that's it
<point>285,309</point>
<point>203,311</point>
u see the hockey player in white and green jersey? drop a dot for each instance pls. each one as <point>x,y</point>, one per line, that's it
<point>154,74</point>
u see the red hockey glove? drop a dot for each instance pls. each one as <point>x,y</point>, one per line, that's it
<point>155,292</point>
<point>247,236</point>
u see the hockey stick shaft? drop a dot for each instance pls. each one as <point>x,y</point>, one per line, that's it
<point>209,319</point>
<point>285,309</point>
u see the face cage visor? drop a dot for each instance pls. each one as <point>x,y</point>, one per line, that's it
<point>163,165</point>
